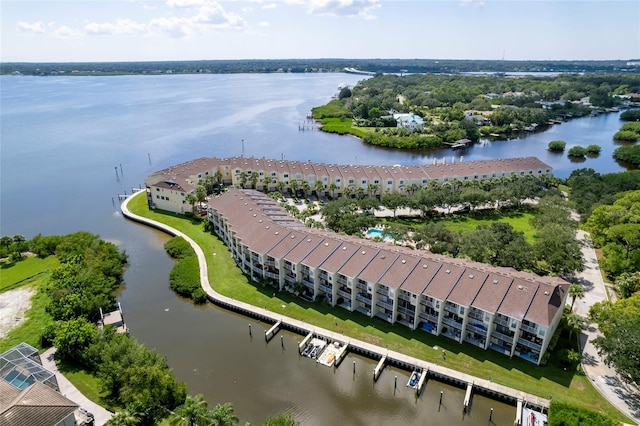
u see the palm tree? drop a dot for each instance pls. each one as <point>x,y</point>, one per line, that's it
<point>125,417</point>
<point>305,187</point>
<point>575,323</point>
<point>347,192</point>
<point>243,178</point>
<point>360,192</point>
<point>373,189</point>
<point>254,179</point>
<point>332,188</point>
<point>294,185</point>
<point>280,187</point>
<point>575,291</point>
<point>193,412</point>
<point>265,183</point>
<point>222,415</point>
<point>218,178</point>
<point>319,187</point>
<point>191,200</point>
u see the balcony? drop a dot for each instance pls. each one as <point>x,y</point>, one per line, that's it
<point>364,298</point>
<point>342,280</point>
<point>257,268</point>
<point>404,296</point>
<point>452,323</point>
<point>501,321</point>
<point>528,328</point>
<point>529,344</point>
<point>360,286</point>
<point>290,278</point>
<point>383,291</point>
<point>325,288</point>
<point>273,275</point>
<point>385,303</point>
<point>323,275</point>
<point>255,258</point>
<point>271,263</point>
<point>427,302</point>
<point>503,337</point>
<point>450,308</point>
<point>307,283</point>
<point>346,293</point>
<point>407,311</point>
<point>477,329</point>
<point>476,315</point>
<point>428,317</point>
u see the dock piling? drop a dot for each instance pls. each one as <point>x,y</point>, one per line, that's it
<point>282,341</point>
<point>250,335</point>
<point>491,414</point>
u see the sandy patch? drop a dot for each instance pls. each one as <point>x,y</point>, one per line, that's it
<point>13,306</point>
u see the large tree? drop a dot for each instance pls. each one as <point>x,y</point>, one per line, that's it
<point>619,344</point>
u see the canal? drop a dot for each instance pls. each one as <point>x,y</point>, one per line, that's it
<point>70,145</point>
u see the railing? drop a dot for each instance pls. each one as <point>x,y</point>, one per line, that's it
<point>360,286</point>
<point>325,288</point>
<point>501,321</point>
<point>476,315</point>
<point>257,268</point>
<point>271,275</point>
<point>427,316</point>
<point>289,278</point>
<point>452,309</point>
<point>501,336</point>
<point>529,344</point>
<point>385,304</point>
<point>270,263</point>
<point>342,280</point>
<point>255,258</point>
<point>323,274</point>
<point>452,323</point>
<point>477,329</point>
<point>404,296</point>
<point>307,282</point>
<point>528,328</point>
<point>345,294</point>
<point>427,302</point>
<point>363,299</point>
<point>407,311</point>
<point>383,291</point>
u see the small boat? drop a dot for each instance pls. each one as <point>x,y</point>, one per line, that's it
<point>414,379</point>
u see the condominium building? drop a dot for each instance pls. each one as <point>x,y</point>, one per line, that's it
<point>512,312</point>
<point>167,189</point>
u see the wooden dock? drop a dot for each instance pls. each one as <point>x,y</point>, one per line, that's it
<point>268,335</point>
<point>467,396</point>
<point>379,368</point>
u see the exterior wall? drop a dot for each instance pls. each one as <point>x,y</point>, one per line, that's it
<point>169,199</point>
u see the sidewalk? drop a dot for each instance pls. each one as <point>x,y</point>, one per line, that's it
<point>626,398</point>
<point>100,415</point>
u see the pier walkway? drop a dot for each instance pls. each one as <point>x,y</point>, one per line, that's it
<point>357,346</point>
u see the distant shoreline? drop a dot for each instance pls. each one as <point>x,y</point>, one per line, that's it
<point>322,65</point>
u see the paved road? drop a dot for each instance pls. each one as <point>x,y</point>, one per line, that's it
<point>604,378</point>
<point>100,415</point>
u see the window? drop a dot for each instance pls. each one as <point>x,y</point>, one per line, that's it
<point>286,175</point>
<point>167,198</point>
<point>542,331</point>
<point>351,180</point>
<point>376,182</point>
<point>157,196</point>
<point>462,310</point>
<point>158,189</point>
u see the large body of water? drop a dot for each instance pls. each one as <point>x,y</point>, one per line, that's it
<point>70,145</point>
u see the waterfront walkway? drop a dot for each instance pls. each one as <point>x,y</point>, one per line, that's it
<point>604,378</point>
<point>486,385</point>
<point>100,415</point>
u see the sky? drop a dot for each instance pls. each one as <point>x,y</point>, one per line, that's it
<point>164,30</point>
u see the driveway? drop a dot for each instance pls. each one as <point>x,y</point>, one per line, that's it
<point>625,397</point>
<point>100,415</point>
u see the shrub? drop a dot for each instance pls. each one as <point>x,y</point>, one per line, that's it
<point>178,248</point>
<point>594,149</point>
<point>569,415</point>
<point>630,115</point>
<point>557,145</point>
<point>184,278</point>
<point>625,136</point>
<point>577,151</point>
<point>630,154</point>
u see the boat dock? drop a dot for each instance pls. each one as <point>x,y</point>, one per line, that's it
<point>379,368</point>
<point>268,335</point>
<point>467,396</point>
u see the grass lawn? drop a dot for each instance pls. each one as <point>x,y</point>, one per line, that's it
<point>226,278</point>
<point>519,220</point>
<point>15,274</point>
<point>86,383</point>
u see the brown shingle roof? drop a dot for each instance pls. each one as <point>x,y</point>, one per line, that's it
<point>37,405</point>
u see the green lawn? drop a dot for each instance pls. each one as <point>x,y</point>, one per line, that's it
<point>551,381</point>
<point>15,274</point>
<point>86,383</point>
<point>517,219</point>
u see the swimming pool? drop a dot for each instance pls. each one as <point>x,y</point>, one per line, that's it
<point>373,232</point>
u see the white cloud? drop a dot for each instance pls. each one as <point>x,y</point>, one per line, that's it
<point>64,31</point>
<point>119,27</point>
<point>349,8</point>
<point>270,6</point>
<point>32,27</point>
<point>475,3</point>
<point>185,3</point>
<point>263,24</point>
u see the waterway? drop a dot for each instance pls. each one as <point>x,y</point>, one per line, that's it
<point>70,145</point>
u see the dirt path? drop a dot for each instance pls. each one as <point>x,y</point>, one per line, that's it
<point>13,306</point>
